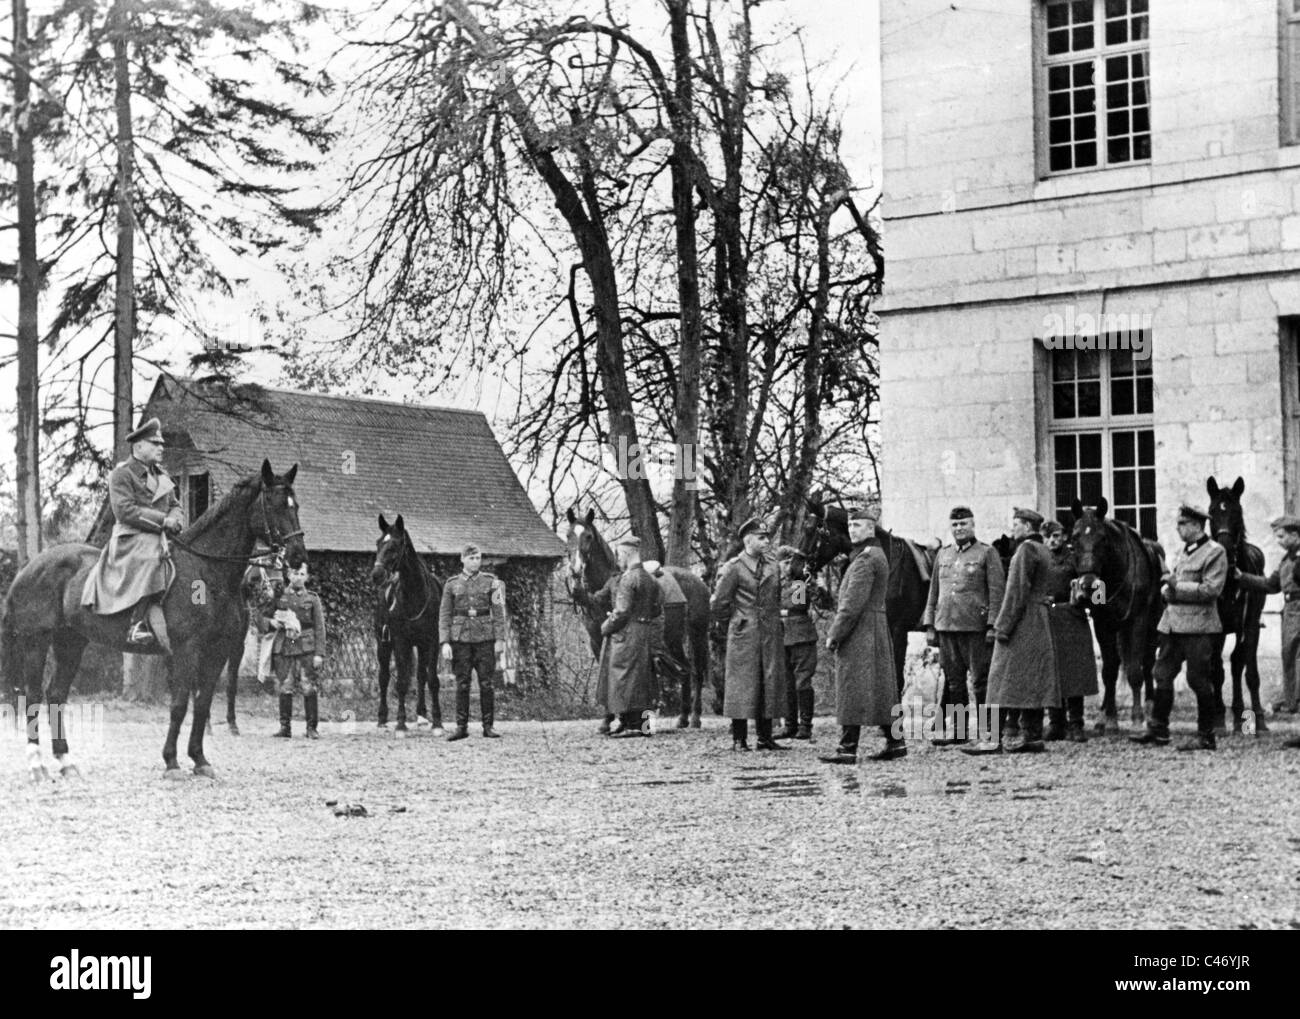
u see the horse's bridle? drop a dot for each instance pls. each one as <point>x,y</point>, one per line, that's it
<point>277,543</point>
<point>393,583</point>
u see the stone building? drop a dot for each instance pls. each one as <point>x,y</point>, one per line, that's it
<point>1067,175</point>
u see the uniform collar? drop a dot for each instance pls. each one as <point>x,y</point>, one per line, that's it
<point>470,576</point>
<point>963,546</point>
<point>141,467</point>
<point>1192,546</point>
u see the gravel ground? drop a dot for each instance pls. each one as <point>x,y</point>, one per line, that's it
<point>552,826</point>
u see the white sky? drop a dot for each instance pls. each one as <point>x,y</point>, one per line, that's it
<point>840,35</point>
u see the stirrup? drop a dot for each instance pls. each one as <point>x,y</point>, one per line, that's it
<point>141,634</point>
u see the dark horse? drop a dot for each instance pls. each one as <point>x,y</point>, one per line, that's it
<point>202,607</point>
<point>406,622</point>
<point>1119,583</point>
<point>1239,609</point>
<point>826,538</point>
<point>592,563</point>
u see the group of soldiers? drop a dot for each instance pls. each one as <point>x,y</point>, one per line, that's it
<point>1016,639</point>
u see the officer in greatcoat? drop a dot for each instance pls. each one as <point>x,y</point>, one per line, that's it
<point>632,632</point>
<point>1022,675</point>
<point>1076,662</point>
<point>132,571</point>
<point>799,634</point>
<point>669,657</point>
<point>1187,630</point>
<point>1285,580</point>
<point>747,600</point>
<point>965,594</point>
<point>865,690</point>
<point>471,629</point>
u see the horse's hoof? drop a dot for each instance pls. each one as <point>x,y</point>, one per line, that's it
<point>205,771</point>
<point>695,721</point>
<point>70,771</point>
<point>683,722</point>
<point>39,776</point>
<point>400,732</point>
<point>421,722</point>
<point>1260,725</point>
<point>174,774</point>
<point>234,729</point>
<point>382,725</point>
<point>439,732</point>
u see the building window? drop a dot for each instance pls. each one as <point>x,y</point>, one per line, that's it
<point>1102,439</point>
<point>198,495</point>
<point>1289,85</point>
<point>1094,83</point>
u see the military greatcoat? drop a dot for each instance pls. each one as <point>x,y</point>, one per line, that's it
<point>1023,673</point>
<point>865,690</point>
<point>630,637</point>
<point>748,599</point>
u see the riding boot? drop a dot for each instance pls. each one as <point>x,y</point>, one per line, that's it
<point>739,734</point>
<point>462,714</point>
<point>805,714</point>
<point>1055,724</point>
<point>286,713</point>
<point>487,699</point>
<point>765,738</point>
<point>791,729</point>
<point>310,706</point>
<point>1074,720</point>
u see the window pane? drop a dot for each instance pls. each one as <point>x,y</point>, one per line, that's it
<point>1085,99</point>
<point>1085,154</point>
<point>1081,11</point>
<point>1059,158</point>
<point>1140,30</point>
<point>1125,489</point>
<point>1081,74</point>
<point>1063,400</point>
<point>1140,93</point>
<point>1117,94</point>
<point>1090,450</point>
<point>1090,487</point>
<point>1121,396</point>
<point>1063,365</point>
<point>1147,527</point>
<point>1089,364</point>
<point>1058,104</point>
<point>1058,42</point>
<point>1122,450</point>
<point>1118,151</point>
<point>1147,486</point>
<point>1058,15</point>
<point>1058,132</point>
<point>1144,400</point>
<point>1089,399</point>
<point>1083,38</point>
<point>1065,489</point>
<point>1142,147</point>
<point>1117,123</point>
<point>1063,447</point>
<point>1147,450</point>
<point>1116,8</point>
<point>1058,78</point>
<point>1116,69</point>
<point>1142,119</point>
<point>1138,6</point>
<point>1129,516</point>
<point>1116,33</point>
<point>1085,128</point>
<point>1121,361</point>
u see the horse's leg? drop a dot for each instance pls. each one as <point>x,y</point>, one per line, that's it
<point>421,708</point>
<point>206,670</point>
<point>1216,678</point>
<point>179,676</point>
<point>429,666</point>
<point>68,649</point>
<point>1248,646</point>
<point>402,651</point>
<point>699,633</point>
<point>385,651</point>
<point>28,656</point>
<point>898,634</point>
<point>1130,648</point>
<point>233,662</point>
<point>1106,638</point>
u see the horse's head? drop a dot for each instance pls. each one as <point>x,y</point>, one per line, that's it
<point>1227,523</point>
<point>275,520</point>
<point>1095,551</point>
<point>825,534</point>
<point>390,547</point>
<point>581,542</point>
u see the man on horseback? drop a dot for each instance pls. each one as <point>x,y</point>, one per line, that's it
<point>1191,618</point>
<point>132,571</point>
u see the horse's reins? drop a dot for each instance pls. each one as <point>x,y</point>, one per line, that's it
<point>394,583</point>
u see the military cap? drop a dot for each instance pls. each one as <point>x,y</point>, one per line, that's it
<point>1286,522</point>
<point>867,512</point>
<point>469,550</point>
<point>790,552</point>
<point>1032,517</point>
<point>754,525</point>
<point>961,513</point>
<point>1050,527</point>
<point>150,431</point>
<point>1199,515</point>
<point>629,540</point>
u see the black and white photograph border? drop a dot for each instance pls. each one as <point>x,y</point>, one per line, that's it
<point>651,464</point>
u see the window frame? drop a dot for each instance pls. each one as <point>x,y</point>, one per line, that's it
<point>187,491</point>
<point>1105,424</point>
<point>1288,72</point>
<point>1099,52</point>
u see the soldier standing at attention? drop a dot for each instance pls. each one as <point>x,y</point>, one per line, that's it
<point>1076,662</point>
<point>1285,580</point>
<point>298,651</point>
<point>1191,591</point>
<point>748,600</point>
<point>471,627</point>
<point>800,637</point>
<point>966,590</point>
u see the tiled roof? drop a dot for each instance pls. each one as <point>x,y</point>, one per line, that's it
<point>441,468</point>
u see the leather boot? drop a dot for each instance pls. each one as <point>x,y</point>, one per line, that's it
<point>791,729</point>
<point>805,714</point>
<point>462,714</point>
<point>847,751</point>
<point>309,706</point>
<point>1055,725</point>
<point>765,738</point>
<point>739,734</point>
<point>487,702</point>
<point>286,713</point>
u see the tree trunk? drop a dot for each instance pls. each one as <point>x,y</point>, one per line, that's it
<point>586,225</point>
<point>27,465</point>
<point>124,326</point>
<point>681,521</point>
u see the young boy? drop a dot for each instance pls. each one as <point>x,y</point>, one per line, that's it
<point>298,649</point>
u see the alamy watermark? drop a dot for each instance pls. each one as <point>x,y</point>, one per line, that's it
<point>82,722</point>
<point>637,461</point>
<point>1105,331</point>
